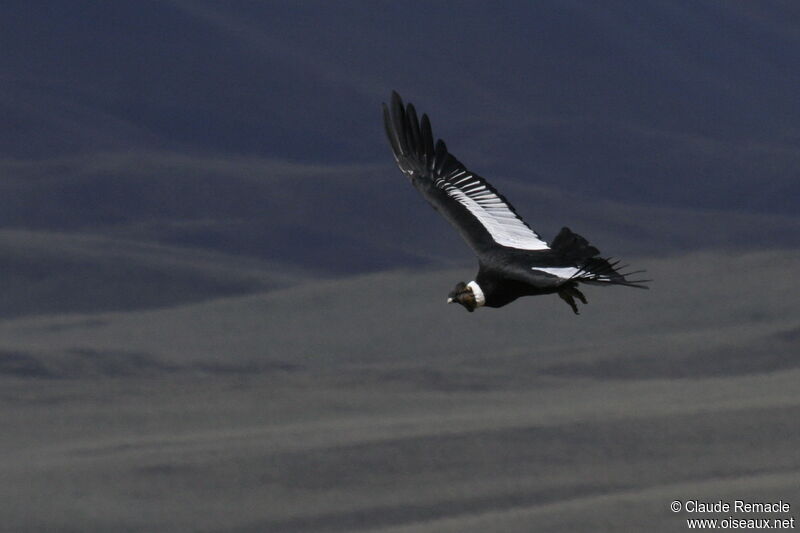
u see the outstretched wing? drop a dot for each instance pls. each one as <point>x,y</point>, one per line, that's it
<point>594,271</point>
<point>482,215</point>
<point>572,260</point>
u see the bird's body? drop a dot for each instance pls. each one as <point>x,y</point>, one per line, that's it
<point>499,290</point>
<point>514,261</point>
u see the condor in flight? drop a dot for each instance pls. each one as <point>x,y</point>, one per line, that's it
<point>513,259</point>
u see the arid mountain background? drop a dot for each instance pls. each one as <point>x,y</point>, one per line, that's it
<point>222,306</point>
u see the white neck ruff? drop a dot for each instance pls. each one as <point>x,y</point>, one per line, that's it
<point>480,299</point>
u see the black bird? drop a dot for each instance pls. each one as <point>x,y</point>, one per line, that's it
<point>513,259</point>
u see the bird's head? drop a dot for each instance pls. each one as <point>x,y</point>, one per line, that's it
<point>463,294</point>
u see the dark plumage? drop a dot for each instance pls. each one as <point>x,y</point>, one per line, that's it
<point>513,260</point>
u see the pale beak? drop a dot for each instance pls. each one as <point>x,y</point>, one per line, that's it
<point>450,300</point>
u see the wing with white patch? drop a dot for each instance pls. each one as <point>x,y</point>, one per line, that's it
<point>492,210</point>
<point>481,214</point>
<point>594,270</point>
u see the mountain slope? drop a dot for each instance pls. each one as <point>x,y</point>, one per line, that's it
<point>370,405</point>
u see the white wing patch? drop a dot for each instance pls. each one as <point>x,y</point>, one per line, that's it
<point>559,272</point>
<point>505,227</point>
<point>570,272</point>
